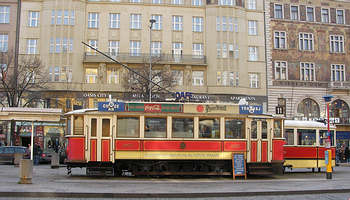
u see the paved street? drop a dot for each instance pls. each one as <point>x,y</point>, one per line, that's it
<point>56,184</point>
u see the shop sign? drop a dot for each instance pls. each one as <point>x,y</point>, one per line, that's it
<point>111,106</point>
<point>249,109</point>
<point>154,108</point>
<point>181,96</point>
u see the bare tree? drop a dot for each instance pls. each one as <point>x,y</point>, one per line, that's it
<point>164,78</point>
<point>21,87</point>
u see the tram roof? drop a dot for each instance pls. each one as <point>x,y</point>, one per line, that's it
<point>305,124</point>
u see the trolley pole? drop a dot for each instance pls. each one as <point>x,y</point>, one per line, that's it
<point>328,152</point>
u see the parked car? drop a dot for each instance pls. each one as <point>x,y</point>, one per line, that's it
<point>7,153</point>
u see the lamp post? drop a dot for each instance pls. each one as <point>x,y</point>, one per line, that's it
<point>328,152</point>
<point>152,21</point>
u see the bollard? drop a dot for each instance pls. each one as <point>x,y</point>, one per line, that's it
<point>328,161</point>
<point>26,171</point>
<point>55,162</point>
<point>17,159</point>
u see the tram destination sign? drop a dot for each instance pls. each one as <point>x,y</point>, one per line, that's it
<point>111,106</point>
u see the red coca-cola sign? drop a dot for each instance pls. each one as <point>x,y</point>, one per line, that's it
<point>153,108</point>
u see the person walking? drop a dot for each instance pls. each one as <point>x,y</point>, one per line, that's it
<point>36,154</point>
<point>347,154</point>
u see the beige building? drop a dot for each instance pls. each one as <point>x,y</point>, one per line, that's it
<point>216,48</point>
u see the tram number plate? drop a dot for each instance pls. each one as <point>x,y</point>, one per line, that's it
<point>239,164</point>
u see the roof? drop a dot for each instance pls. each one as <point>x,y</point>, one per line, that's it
<point>81,111</point>
<point>305,124</point>
<point>30,114</point>
<point>21,109</point>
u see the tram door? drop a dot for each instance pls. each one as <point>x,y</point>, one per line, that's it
<point>99,139</point>
<point>259,140</point>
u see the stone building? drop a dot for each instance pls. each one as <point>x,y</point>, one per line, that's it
<point>216,48</point>
<point>310,47</point>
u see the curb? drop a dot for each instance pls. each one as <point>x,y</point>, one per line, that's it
<point>167,195</point>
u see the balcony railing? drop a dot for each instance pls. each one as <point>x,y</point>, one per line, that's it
<point>144,58</point>
<point>297,83</point>
<point>340,85</point>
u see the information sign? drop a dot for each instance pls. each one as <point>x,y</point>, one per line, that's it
<point>111,106</point>
<point>246,109</point>
<point>238,164</point>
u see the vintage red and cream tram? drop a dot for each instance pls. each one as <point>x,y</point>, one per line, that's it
<point>171,138</point>
<point>306,144</point>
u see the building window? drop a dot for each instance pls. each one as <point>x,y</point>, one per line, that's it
<point>252,53</point>
<point>218,50</point>
<point>218,24</point>
<point>112,75</point>
<point>93,20</point>
<point>252,27</point>
<point>177,2</point>
<point>230,24</point>
<point>338,72</point>
<point>61,45</point>
<point>135,21</point>
<point>294,12</point>
<point>280,40</point>
<point>178,76</point>
<point>68,18</point>
<point>281,70</point>
<point>340,109</point>
<point>309,109</point>
<point>32,46</point>
<point>253,80</point>
<point>225,78</point>
<point>197,78</point>
<point>337,43</point>
<point>340,17</point>
<point>135,48</point>
<point>158,24</point>
<point>325,15</point>
<point>310,15</point>
<point>177,50</point>
<point>114,20</point>
<point>135,1</point>
<point>278,11</point>
<point>306,41</point>
<point>157,1</point>
<point>4,14</point>
<point>91,75</point>
<point>224,24</point>
<point>197,24</point>
<point>113,47</point>
<point>156,48</point>
<point>177,23</point>
<point>60,74</point>
<point>4,40</point>
<point>197,3</point>
<point>226,2</point>
<point>307,72</point>
<point>197,50</point>
<point>33,18</point>
<point>94,44</point>
<point>224,50</point>
<point>251,4</point>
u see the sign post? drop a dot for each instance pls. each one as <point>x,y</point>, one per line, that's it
<point>328,152</point>
<point>238,165</point>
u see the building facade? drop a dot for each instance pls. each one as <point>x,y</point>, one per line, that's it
<point>309,45</point>
<point>215,48</point>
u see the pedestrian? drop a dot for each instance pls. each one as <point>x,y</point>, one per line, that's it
<point>347,154</point>
<point>36,154</point>
<point>28,151</point>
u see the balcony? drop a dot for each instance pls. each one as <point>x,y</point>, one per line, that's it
<point>297,83</point>
<point>144,58</point>
<point>339,85</point>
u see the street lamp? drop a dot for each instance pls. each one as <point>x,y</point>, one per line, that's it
<point>328,152</point>
<point>152,21</point>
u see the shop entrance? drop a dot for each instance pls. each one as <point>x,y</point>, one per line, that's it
<point>25,141</point>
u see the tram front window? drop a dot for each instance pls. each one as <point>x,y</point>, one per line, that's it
<point>209,128</point>
<point>128,127</point>
<point>182,127</point>
<point>234,129</point>
<point>155,127</point>
<point>306,137</point>
<point>277,129</point>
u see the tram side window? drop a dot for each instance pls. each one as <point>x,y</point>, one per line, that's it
<point>106,128</point>
<point>254,129</point>
<point>306,137</point>
<point>277,128</point>
<point>209,128</point>
<point>264,129</point>
<point>128,127</point>
<point>234,129</point>
<point>155,127</point>
<point>182,127</point>
<point>289,134</point>
<point>69,132</point>
<point>93,127</point>
<point>78,128</point>
<point>323,137</point>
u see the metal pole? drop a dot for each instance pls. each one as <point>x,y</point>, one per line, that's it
<point>32,142</point>
<point>150,59</point>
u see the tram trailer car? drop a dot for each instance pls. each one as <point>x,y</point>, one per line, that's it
<point>172,139</point>
<point>306,144</point>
